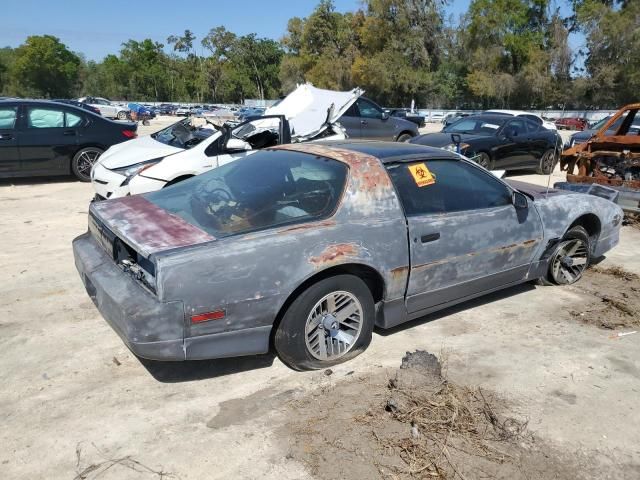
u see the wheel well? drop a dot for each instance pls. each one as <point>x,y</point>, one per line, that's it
<point>178,179</point>
<point>407,132</point>
<point>367,274</point>
<point>590,222</point>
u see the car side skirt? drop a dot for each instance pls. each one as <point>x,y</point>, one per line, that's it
<point>396,312</point>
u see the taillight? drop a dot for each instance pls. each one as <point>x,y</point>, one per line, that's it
<point>129,133</point>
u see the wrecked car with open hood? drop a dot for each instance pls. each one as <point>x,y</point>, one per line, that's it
<point>182,151</point>
<point>610,158</point>
<point>305,247</point>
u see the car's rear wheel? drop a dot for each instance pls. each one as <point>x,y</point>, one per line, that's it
<point>547,163</point>
<point>83,161</point>
<point>570,258</point>
<point>328,323</point>
<point>405,137</point>
<point>122,115</point>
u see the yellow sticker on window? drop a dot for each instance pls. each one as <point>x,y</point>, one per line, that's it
<point>422,175</point>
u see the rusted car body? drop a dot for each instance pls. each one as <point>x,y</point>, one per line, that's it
<point>174,289</point>
<point>611,159</point>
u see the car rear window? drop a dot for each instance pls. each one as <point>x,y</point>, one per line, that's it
<point>262,190</point>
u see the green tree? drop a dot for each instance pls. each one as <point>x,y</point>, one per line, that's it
<point>45,67</point>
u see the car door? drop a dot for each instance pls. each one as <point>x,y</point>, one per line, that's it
<point>46,143</point>
<point>465,235</point>
<point>9,153</point>
<point>373,123</point>
<point>514,149</point>
<point>350,121</point>
<point>540,140</point>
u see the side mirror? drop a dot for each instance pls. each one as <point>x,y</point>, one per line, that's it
<point>237,145</point>
<point>519,200</point>
<point>385,115</point>
<point>456,138</point>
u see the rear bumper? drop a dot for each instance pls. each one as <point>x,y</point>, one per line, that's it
<point>149,327</point>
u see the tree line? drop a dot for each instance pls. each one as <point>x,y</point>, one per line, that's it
<point>500,53</point>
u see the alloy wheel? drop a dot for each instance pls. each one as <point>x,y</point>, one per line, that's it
<point>85,162</point>
<point>547,162</point>
<point>569,262</point>
<point>333,326</point>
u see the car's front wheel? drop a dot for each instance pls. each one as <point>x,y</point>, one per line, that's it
<point>328,323</point>
<point>122,115</point>
<point>83,161</point>
<point>570,258</point>
<point>405,137</point>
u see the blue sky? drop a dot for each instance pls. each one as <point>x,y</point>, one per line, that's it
<point>97,28</point>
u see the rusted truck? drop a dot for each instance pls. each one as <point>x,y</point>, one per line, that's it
<point>608,164</point>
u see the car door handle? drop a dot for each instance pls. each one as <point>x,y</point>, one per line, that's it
<point>363,122</point>
<point>69,133</point>
<point>432,237</point>
<point>6,136</point>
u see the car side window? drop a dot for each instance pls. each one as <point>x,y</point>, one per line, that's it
<point>44,118</point>
<point>368,109</point>
<point>456,187</point>
<point>352,111</point>
<point>8,117</point>
<point>72,120</point>
<point>515,128</point>
<point>533,118</point>
<point>533,127</point>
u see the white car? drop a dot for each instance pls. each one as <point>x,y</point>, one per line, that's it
<point>107,108</point>
<point>183,111</point>
<point>531,116</point>
<point>181,150</point>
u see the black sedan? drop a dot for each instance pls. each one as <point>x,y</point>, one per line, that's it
<point>42,138</point>
<point>500,142</point>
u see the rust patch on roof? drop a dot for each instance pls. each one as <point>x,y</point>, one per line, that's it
<point>367,171</point>
<point>335,253</point>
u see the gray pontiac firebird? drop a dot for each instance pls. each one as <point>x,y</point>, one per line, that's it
<point>306,247</point>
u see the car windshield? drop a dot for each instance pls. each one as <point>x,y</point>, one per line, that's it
<point>475,125</point>
<point>259,191</point>
<point>182,135</point>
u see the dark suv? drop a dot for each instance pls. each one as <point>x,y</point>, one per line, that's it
<point>366,119</point>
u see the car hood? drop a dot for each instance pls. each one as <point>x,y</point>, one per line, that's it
<point>536,191</point>
<point>311,110</point>
<point>443,139</point>
<point>146,227</point>
<point>135,151</point>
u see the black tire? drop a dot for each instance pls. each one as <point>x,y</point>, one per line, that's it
<point>290,339</point>
<point>484,160</point>
<point>575,234</point>
<point>83,161</point>
<point>547,163</point>
<point>405,137</point>
<point>122,115</point>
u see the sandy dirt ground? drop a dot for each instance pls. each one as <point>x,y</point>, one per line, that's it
<point>75,403</point>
